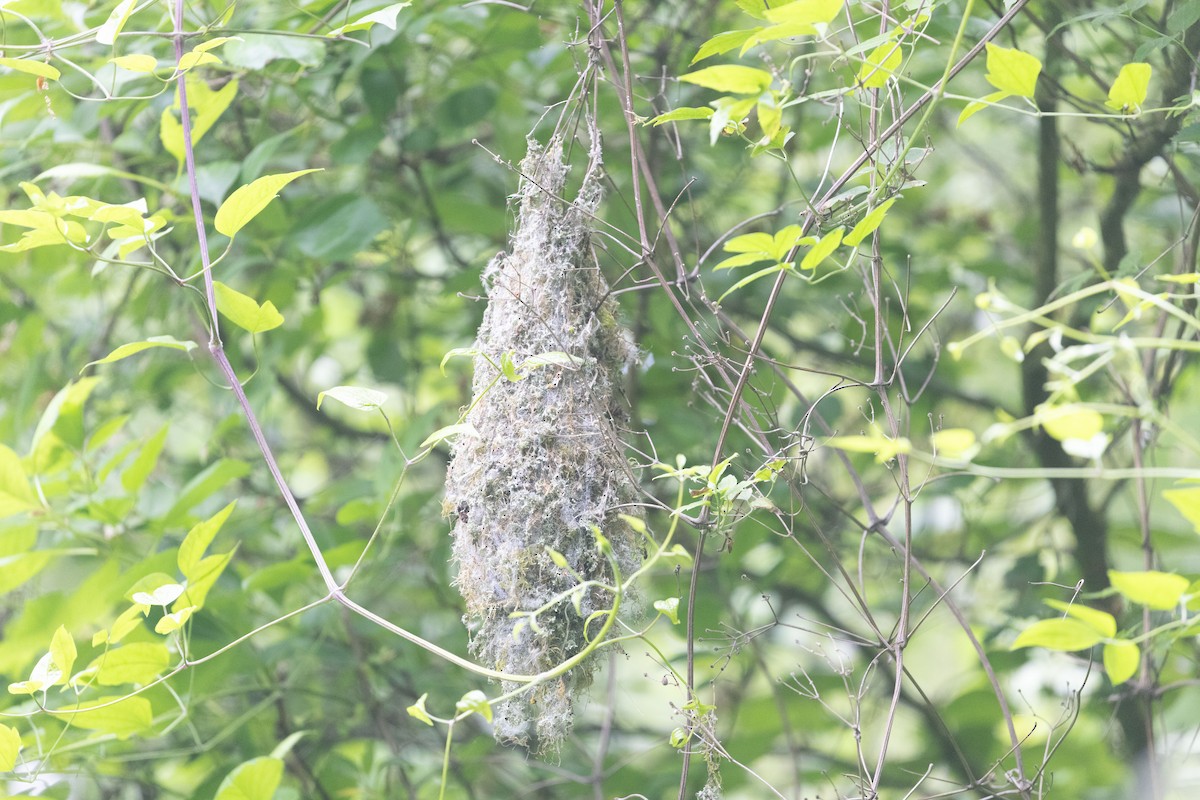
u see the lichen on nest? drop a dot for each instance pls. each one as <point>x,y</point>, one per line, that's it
<point>547,464</point>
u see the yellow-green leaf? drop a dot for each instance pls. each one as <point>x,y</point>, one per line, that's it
<point>354,396</point>
<point>867,225</point>
<point>111,28</point>
<point>138,662</point>
<point>244,311</point>
<point>880,65</point>
<point>1121,660</point>
<point>247,201</point>
<point>808,12</point>
<point>10,748</point>
<point>384,16</point>
<point>723,43</point>
<point>418,711</point>
<point>1128,91</point>
<point>1070,422</point>
<point>205,105</point>
<point>1186,500</point>
<point>1067,635</point>
<point>191,550</point>
<point>1102,621</point>
<point>196,59</point>
<point>136,62</point>
<point>169,623</point>
<point>822,249</point>
<point>63,652</point>
<point>1012,71</point>
<point>669,608</point>
<point>884,448</point>
<point>118,716</point>
<point>954,442</point>
<point>1158,590</point>
<point>732,78</point>
<point>201,580</point>
<point>42,70</point>
<point>682,113</point>
<point>441,434</point>
<point>475,702</point>
<point>16,492</point>
<point>133,348</point>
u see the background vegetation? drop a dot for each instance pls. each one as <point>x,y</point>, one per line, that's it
<point>933,468</point>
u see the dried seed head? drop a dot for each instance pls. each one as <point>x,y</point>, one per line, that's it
<point>547,466</point>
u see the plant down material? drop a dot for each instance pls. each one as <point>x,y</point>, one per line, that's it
<point>546,466</point>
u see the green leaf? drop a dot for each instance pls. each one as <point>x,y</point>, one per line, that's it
<point>111,28</point>
<point>29,67</point>
<point>1128,91</point>
<point>723,43</point>
<point>384,16</point>
<point>1187,502</point>
<point>683,113</point>
<point>247,201</point>
<point>133,348</point>
<point>1102,621</point>
<point>130,619</point>
<point>868,224</point>
<point>355,397</point>
<point>1067,635</point>
<point>1157,590</point>
<point>749,279</point>
<point>16,569</point>
<point>10,748</point>
<point>418,711</point>
<point>204,485</point>
<point>191,550</point>
<point>669,608</point>
<point>475,702</point>
<point>1012,71</point>
<point>121,717</point>
<point>63,652</point>
<point>441,434</point>
<point>457,352</point>
<point>256,779</point>
<point>203,577</point>
<point>732,78</point>
<point>1121,660</point>
<point>16,493</point>
<point>558,558</point>
<point>880,65</point>
<point>136,62</point>
<point>551,358</point>
<point>244,311</point>
<point>822,249</point>
<point>138,662</point>
<point>135,475</point>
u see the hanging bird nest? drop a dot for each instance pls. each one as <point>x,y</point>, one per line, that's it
<point>546,466</point>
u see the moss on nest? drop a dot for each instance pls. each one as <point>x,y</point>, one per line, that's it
<point>547,464</point>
